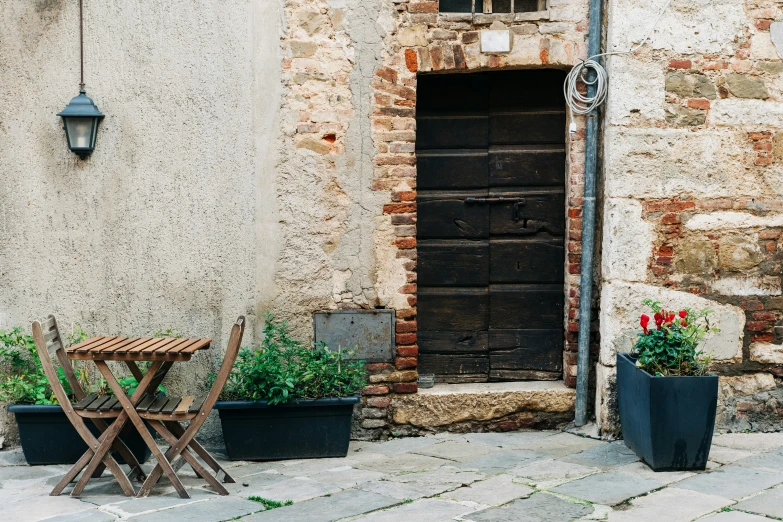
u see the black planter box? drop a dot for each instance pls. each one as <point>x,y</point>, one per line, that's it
<point>667,421</point>
<point>300,429</point>
<point>48,437</point>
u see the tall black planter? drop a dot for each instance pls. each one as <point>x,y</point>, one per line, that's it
<point>296,430</point>
<point>48,437</point>
<point>667,421</point>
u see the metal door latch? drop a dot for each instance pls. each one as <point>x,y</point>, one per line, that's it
<point>518,203</point>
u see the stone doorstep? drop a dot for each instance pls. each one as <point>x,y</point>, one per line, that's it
<point>448,404</point>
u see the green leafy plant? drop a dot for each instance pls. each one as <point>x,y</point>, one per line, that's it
<point>23,381</point>
<point>671,348</point>
<point>283,369</point>
<point>269,504</point>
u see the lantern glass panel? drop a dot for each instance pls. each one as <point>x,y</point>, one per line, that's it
<point>80,132</point>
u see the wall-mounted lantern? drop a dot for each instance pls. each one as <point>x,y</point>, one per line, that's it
<point>80,120</point>
<point>81,116</point>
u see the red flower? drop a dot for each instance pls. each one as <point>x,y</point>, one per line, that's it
<point>683,314</point>
<point>644,321</point>
<point>684,323</point>
<point>658,320</point>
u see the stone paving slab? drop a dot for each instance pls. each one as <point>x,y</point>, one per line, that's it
<point>670,505</point>
<point>561,445</point>
<point>221,508</point>
<point>344,504</point>
<point>769,503</point>
<point>515,476</point>
<point>541,507</point>
<point>548,473</point>
<point>734,516</point>
<point>456,450</point>
<point>608,488</point>
<point>491,492</point>
<point>92,515</point>
<point>604,456</point>
<point>734,482</point>
<point>426,510</point>
<point>499,461</point>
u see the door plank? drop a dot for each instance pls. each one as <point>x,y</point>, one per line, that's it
<point>525,165</point>
<point>453,263</point>
<point>526,261</point>
<point>541,212</point>
<point>526,306</point>
<point>452,169</point>
<point>515,127</point>
<point>455,131</point>
<point>453,309</point>
<point>445,215</point>
<point>476,341</point>
<point>540,350</point>
<point>454,364</point>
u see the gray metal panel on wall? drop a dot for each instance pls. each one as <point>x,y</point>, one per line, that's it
<point>368,333</point>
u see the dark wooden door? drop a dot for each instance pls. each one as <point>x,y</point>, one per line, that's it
<point>491,220</point>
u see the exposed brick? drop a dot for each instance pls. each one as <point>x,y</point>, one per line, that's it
<point>406,326</point>
<point>423,7</point>
<point>405,363</point>
<point>408,289</point>
<point>752,305</point>
<point>764,316</point>
<point>408,351</point>
<point>436,56</point>
<point>668,205</point>
<point>670,219</point>
<point>470,37</point>
<point>699,103</point>
<point>399,208</point>
<point>756,326</point>
<point>387,73</point>
<point>406,338</point>
<point>763,25</point>
<point>459,57</point>
<point>375,390</point>
<point>402,217</point>
<point>665,250</point>
<point>680,64</point>
<point>379,367</point>
<point>769,234</point>
<point>411,60</point>
<point>407,313</point>
<point>405,242</point>
<point>405,387</point>
<point>378,402</point>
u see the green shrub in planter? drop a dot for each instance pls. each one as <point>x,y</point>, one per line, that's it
<point>288,400</point>
<point>667,401</point>
<point>23,383</point>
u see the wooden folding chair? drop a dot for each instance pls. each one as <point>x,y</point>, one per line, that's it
<point>48,342</point>
<point>166,421</point>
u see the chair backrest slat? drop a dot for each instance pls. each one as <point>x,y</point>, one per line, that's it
<point>55,347</point>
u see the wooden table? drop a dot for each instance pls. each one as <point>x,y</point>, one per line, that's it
<point>162,353</point>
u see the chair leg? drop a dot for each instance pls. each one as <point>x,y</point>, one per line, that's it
<point>72,473</point>
<point>188,457</point>
<point>177,429</point>
<point>102,455</point>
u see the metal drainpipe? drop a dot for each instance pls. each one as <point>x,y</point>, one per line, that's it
<point>588,229</point>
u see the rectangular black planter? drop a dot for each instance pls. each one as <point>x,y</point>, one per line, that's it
<point>48,437</point>
<point>667,421</point>
<point>295,430</point>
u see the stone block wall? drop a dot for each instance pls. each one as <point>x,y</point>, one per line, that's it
<point>692,188</point>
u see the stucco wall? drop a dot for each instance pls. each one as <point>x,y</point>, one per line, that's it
<point>692,191</point>
<point>173,221</point>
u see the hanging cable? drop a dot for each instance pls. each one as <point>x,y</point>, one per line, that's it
<point>579,103</point>
<point>81,45</point>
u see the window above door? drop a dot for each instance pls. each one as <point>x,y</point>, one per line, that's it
<point>500,7</point>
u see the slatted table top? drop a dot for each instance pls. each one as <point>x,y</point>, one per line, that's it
<point>108,348</point>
